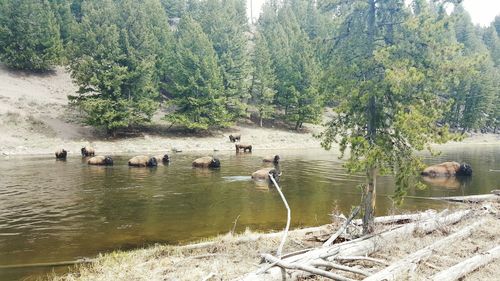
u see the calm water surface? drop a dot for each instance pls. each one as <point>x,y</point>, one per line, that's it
<point>52,211</point>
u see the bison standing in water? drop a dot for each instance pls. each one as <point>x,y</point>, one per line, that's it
<point>143,161</point>
<point>101,161</point>
<point>448,169</point>
<point>88,151</point>
<point>61,154</point>
<point>245,147</point>
<point>206,162</point>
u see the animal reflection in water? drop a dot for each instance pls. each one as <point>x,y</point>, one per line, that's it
<point>448,182</point>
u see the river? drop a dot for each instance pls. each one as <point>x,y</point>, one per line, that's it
<point>53,211</point>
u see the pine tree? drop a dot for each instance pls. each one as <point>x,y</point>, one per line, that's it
<point>492,42</point>
<point>226,24</point>
<point>263,79</point>
<point>194,81</point>
<point>116,61</point>
<point>388,62</point>
<point>296,67</point>
<point>32,44</point>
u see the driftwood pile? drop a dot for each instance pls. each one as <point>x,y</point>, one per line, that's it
<point>329,261</point>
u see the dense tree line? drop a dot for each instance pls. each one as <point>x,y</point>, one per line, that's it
<point>203,61</point>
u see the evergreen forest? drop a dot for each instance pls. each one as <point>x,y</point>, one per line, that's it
<point>206,65</point>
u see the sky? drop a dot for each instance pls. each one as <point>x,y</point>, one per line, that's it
<point>482,12</point>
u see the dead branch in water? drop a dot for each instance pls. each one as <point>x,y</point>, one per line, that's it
<point>467,266</point>
<point>395,270</point>
<point>288,216</point>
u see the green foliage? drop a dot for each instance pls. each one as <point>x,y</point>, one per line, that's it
<point>387,66</point>
<point>263,79</point>
<point>29,35</point>
<point>194,80</point>
<point>473,89</point>
<point>225,23</point>
<point>116,61</point>
<point>295,65</point>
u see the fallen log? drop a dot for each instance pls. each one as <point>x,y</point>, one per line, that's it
<point>399,218</point>
<point>306,268</point>
<point>395,270</point>
<point>328,264</point>
<point>467,266</point>
<point>470,198</point>
<point>363,258</point>
<point>358,247</point>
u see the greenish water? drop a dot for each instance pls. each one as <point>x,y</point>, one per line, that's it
<point>52,211</point>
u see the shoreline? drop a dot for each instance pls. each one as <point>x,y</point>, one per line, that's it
<point>230,257</point>
<point>155,144</point>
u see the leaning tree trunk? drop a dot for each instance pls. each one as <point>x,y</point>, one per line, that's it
<point>371,111</point>
<point>368,204</point>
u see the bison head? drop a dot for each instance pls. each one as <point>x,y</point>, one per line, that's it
<point>215,163</point>
<point>108,161</point>
<point>464,170</point>
<point>165,159</point>
<point>152,162</point>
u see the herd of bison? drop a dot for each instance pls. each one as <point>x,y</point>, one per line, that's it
<point>443,170</point>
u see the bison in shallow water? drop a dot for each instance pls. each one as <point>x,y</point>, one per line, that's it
<point>206,162</point>
<point>263,174</point>
<point>88,151</point>
<point>143,161</point>
<point>234,138</point>
<point>448,169</point>
<point>61,154</point>
<point>164,159</point>
<point>245,147</point>
<point>101,161</point>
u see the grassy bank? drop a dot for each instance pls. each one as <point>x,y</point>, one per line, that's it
<point>230,257</point>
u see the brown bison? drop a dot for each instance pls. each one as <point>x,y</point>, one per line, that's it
<point>234,138</point>
<point>164,159</point>
<point>101,161</point>
<point>61,154</point>
<point>206,162</point>
<point>448,169</point>
<point>275,159</point>
<point>245,147</point>
<point>263,174</point>
<point>87,151</point>
<point>143,161</point>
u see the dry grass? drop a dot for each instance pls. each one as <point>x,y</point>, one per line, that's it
<point>229,258</point>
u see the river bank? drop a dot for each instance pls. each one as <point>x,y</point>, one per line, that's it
<point>230,257</point>
<point>35,119</point>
